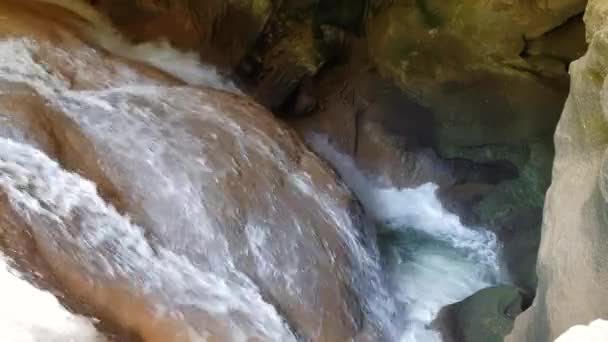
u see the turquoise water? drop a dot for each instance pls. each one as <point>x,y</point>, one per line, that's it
<point>431,258</point>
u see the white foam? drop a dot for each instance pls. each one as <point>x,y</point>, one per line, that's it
<point>185,66</point>
<point>596,331</point>
<point>443,263</point>
<point>28,314</point>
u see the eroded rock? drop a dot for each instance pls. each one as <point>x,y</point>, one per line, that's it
<point>461,60</point>
<point>206,218</point>
<point>572,258</point>
<point>486,316</point>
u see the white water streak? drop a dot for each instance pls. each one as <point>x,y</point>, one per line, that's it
<point>146,146</point>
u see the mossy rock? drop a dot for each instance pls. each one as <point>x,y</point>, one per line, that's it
<point>486,316</point>
<point>513,208</point>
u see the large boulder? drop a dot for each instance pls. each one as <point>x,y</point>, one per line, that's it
<point>572,269</point>
<point>169,212</point>
<point>486,316</point>
<point>479,77</point>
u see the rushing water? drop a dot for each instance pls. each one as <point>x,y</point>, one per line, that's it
<point>164,147</point>
<point>107,244</point>
<point>433,259</point>
<point>216,236</point>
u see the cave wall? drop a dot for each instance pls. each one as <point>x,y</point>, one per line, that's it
<point>489,70</point>
<point>572,265</point>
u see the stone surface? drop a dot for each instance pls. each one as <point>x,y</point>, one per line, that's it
<point>572,268</point>
<point>510,206</point>
<point>459,60</point>
<point>486,316</point>
<point>520,237</point>
<point>388,134</point>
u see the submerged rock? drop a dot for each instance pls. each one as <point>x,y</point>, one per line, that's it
<point>572,264</point>
<point>170,212</point>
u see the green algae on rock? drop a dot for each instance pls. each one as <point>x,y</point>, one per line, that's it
<point>486,316</point>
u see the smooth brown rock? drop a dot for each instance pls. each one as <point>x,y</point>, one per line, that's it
<point>262,178</point>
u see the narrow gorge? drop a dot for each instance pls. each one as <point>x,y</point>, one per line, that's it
<point>303,170</point>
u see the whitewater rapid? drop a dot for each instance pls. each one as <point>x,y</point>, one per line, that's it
<point>433,260</point>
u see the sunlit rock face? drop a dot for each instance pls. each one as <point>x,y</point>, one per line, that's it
<point>572,268</point>
<point>170,212</point>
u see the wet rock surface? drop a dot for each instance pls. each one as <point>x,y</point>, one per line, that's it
<point>414,91</point>
<point>405,86</point>
<point>260,240</point>
<point>571,262</point>
<point>486,316</point>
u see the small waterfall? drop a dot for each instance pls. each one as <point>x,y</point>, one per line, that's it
<point>234,226</point>
<point>223,230</point>
<point>433,259</point>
